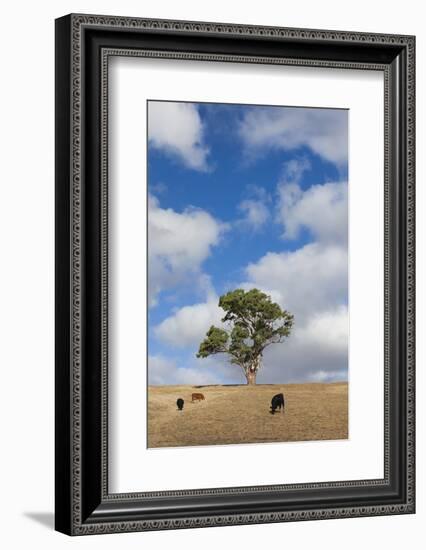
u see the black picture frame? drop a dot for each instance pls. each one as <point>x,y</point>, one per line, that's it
<point>83,504</point>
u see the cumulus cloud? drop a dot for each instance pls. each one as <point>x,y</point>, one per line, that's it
<point>323,131</point>
<point>294,169</point>
<point>330,376</point>
<point>255,213</point>
<point>316,351</point>
<point>255,208</point>
<point>322,209</point>
<point>165,371</point>
<point>311,283</point>
<point>188,326</point>
<point>312,353</point>
<point>177,130</point>
<point>213,370</point>
<point>329,329</point>
<point>310,279</point>
<point>178,243</point>
<point>158,188</point>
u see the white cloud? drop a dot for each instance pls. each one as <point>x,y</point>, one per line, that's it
<point>323,131</point>
<point>177,129</point>
<point>158,188</point>
<point>322,209</point>
<point>313,352</point>
<point>310,279</point>
<point>188,326</point>
<point>178,243</point>
<point>294,169</point>
<point>311,283</point>
<point>329,376</point>
<point>162,370</point>
<point>212,370</point>
<point>255,212</point>
<point>329,329</point>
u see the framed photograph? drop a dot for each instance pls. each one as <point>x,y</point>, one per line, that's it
<point>234,274</point>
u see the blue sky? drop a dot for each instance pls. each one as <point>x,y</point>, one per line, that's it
<point>246,196</point>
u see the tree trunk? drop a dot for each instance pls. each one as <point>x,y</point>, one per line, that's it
<point>252,369</point>
<point>251,377</point>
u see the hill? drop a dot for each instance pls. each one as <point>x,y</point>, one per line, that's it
<point>241,414</point>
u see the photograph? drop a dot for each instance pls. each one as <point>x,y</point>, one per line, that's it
<point>247,264</point>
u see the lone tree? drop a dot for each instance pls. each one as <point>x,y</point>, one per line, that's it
<point>252,322</point>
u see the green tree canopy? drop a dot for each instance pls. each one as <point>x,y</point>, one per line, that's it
<point>251,323</point>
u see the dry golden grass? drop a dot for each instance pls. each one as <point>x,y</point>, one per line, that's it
<point>240,414</point>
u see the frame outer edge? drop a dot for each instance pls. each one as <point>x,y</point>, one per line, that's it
<point>77,22</point>
<point>63,496</point>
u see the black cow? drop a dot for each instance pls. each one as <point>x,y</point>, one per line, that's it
<point>277,402</point>
<point>180,403</point>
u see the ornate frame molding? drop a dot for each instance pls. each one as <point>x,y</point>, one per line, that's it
<point>73,503</point>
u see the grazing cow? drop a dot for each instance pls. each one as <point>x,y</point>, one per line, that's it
<point>197,397</point>
<point>277,402</point>
<point>180,403</point>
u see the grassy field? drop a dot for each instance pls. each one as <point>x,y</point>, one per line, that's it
<point>240,414</point>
